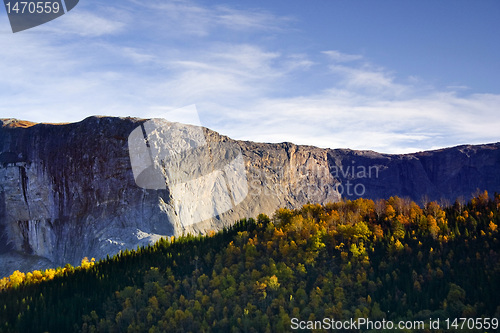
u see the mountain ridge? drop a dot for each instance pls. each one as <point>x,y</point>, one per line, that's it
<point>68,191</point>
<point>19,123</point>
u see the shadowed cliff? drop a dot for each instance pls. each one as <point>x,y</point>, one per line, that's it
<point>68,190</point>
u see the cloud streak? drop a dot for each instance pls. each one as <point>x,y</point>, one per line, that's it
<point>144,58</point>
<point>338,56</point>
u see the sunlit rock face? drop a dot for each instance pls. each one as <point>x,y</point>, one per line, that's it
<point>90,188</point>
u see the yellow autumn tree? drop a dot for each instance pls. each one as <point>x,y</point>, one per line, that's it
<point>17,278</point>
<point>273,283</point>
<point>493,226</point>
<point>433,226</point>
<point>86,263</point>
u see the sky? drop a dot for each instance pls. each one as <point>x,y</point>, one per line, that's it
<point>391,76</point>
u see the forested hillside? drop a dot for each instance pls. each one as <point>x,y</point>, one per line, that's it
<point>389,259</point>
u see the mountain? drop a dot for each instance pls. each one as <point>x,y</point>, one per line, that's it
<point>86,189</point>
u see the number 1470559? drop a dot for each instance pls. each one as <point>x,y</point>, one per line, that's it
<point>472,323</point>
<point>32,7</point>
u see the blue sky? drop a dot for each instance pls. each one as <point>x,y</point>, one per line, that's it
<point>390,76</point>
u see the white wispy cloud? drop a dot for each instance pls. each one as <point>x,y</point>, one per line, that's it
<point>250,20</point>
<point>145,58</point>
<point>87,24</point>
<point>387,125</point>
<point>189,18</point>
<point>362,75</point>
<point>366,78</point>
<point>338,56</point>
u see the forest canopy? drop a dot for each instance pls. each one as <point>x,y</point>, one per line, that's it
<point>387,259</point>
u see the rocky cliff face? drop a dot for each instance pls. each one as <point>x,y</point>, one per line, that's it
<point>69,191</point>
